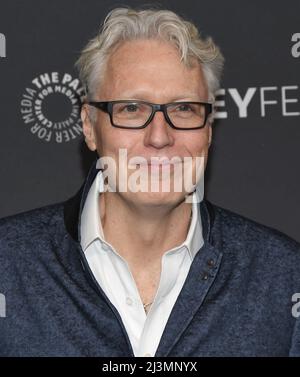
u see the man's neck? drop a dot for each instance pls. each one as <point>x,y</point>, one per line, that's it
<point>143,233</point>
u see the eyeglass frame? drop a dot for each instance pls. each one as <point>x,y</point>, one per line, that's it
<point>107,107</point>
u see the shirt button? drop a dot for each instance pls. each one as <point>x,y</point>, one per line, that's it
<point>147,355</point>
<point>129,301</point>
<point>211,262</point>
<point>205,276</point>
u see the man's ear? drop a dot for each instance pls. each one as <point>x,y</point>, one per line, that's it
<point>88,128</point>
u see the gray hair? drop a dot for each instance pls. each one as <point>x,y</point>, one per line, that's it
<point>126,24</point>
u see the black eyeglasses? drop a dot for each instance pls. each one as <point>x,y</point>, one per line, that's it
<point>134,114</point>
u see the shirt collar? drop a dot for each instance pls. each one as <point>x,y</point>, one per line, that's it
<point>91,227</point>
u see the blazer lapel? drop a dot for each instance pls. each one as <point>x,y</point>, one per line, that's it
<point>200,278</point>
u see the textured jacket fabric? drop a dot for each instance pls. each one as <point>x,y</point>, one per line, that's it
<point>236,300</point>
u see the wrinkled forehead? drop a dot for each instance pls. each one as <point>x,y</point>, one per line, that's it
<point>152,65</point>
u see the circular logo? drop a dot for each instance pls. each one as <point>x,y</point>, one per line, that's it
<point>51,107</point>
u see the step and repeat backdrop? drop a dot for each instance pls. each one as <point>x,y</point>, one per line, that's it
<point>254,158</point>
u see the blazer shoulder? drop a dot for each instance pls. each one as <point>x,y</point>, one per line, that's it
<point>31,226</point>
<point>248,233</point>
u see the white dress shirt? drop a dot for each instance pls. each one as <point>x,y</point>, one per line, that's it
<point>114,276</point>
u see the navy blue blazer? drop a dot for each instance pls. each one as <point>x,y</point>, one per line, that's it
<point>236,300</point>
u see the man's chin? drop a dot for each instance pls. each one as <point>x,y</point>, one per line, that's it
<point>155,199</point>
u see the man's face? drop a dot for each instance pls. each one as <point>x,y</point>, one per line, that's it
<point>151,71</point>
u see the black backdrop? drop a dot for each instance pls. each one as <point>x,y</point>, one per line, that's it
<point>254,160</point>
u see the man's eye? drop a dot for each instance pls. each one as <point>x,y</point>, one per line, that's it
<point>184,107</point>
<point>131,108</point>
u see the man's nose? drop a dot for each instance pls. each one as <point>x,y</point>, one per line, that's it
<point>158,133</point>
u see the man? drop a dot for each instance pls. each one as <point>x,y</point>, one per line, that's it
<point>123,271</point>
